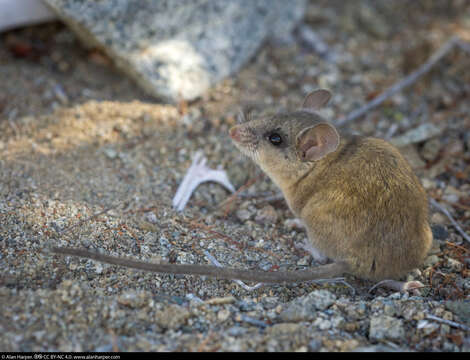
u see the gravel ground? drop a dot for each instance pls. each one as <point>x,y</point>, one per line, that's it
<point>77,137</point>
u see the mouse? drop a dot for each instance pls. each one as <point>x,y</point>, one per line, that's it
<point>357,197</point>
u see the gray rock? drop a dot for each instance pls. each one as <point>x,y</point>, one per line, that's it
<point>110,153</point>
<point>270,302</point>
<point>151,218</point>
<point>461,309</point>
<point>386,327</point>
<point>236,331</point>
<point>412,156</point>
<point>266,215</point>
<point>427,327</point>
<point>421,133</point>
<point>304,308</point>
<point>322,324</point>
<point>132,299</point>
<point>431,149</point>
<point>177,49</point>
<point>315,345</point>
<point>431,260</point>
<point>173,317</point>
<point>283,328</point>
<point>454,265</point>
<point>435,249</point>
<point>243,215</point>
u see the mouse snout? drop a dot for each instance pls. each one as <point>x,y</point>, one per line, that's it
<point>235,133</point>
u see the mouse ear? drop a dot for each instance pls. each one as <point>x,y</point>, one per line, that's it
<point>314,143</point>
<point>316,99</point>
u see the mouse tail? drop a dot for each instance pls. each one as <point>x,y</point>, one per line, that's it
<point>320,272</point>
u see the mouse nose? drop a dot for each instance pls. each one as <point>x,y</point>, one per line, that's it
<point>235,133</point>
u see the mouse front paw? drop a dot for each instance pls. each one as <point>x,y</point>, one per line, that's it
<point>317,255</point>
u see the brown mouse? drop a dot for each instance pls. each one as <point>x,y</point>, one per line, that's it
<point>357,196</point>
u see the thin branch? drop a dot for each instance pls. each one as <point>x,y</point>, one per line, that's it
<point>88,219</point>
<point>407,81</point>
<point>447,213</point>
<point>448,322</point>
<point>252,321</point>
<point>273,198</point>
<point>316,43</point>
<point>232,197</point>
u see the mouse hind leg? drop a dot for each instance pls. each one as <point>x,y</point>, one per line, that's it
<point>401,286</point>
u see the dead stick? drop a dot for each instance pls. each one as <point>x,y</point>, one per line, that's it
<point>89,218</point>
<point>448,322</point>
<point>407,81</point>
<point>228,201</point>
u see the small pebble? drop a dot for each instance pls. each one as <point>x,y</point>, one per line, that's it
<point>431,260</point>
<point>266,215</point>
<point>151,217</point>
<point>386,328</point>
<point>223,315</point>
<point>221,301</point>
<point>439,218</point>
<point>454,265</point>
<point>243,215</point>
<point>172,317</point>
<point>431,149</point>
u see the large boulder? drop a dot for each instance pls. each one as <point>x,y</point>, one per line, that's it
<point>176,49</point>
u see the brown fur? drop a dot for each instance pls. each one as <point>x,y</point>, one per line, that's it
<point>361,204</point>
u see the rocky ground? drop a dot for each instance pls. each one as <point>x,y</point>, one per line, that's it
<point>77,138</point>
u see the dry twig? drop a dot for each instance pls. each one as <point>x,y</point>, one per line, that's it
<point>408,80</point>
<point>447,213</point>
<point>226,203</point>
<point>448,322</point>
<point>94,216</point>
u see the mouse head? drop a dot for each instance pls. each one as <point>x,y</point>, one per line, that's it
<point>287,145</point>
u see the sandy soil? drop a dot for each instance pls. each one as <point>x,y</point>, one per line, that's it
<point>77,137</point>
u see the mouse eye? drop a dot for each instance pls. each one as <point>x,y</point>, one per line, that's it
<point>275,139</point>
